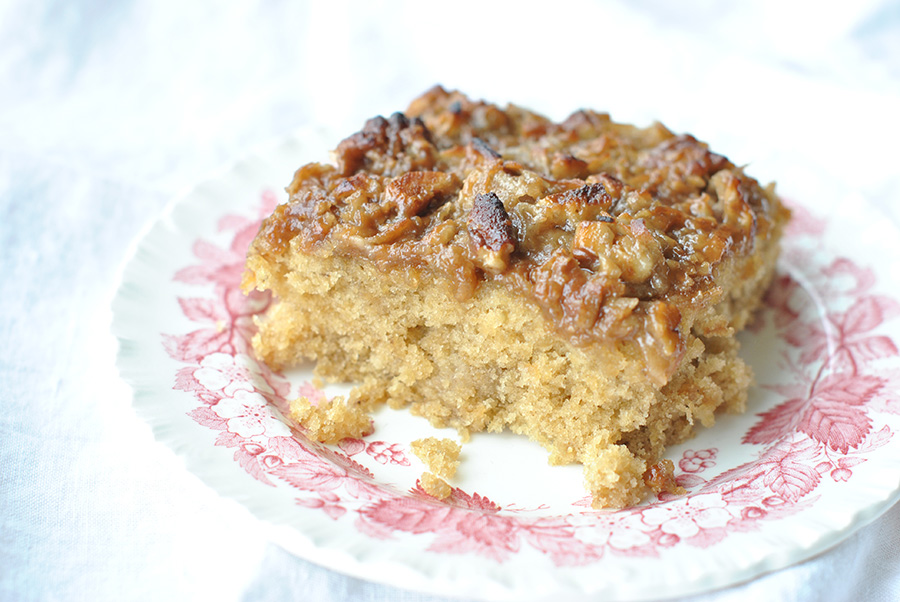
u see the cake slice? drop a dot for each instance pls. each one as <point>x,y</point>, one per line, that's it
<point>580,283</point>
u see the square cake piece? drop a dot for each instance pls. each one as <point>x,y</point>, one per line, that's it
<point>580,283</point>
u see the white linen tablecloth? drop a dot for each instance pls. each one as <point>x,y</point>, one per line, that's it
<point>107,110</point>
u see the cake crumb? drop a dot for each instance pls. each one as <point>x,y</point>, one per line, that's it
<point>332,420</point>
<point>441,456</point>
<point>435,486</point>
<point>614,476</point>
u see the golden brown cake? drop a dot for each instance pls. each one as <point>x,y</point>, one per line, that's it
<point>580,282</point>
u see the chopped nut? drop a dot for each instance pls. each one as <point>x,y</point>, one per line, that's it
<point>736,212</point>
<point>412,192</point>
<point>384,145</point>
<point>586,123</point>
<point>592,244</point>
<point>484,149</point>
<point>613,185</point>
<point>591,194</point>
<point>663,346</point>
<point>567,166</point>
<point>691,156</point>
<point>637,252</point>
<point>489,223</point>
<point>491,230</point>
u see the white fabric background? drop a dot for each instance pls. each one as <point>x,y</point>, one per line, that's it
<point>107,110</point>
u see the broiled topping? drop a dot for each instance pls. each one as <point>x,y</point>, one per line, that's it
<point>615,231</point>
<point>735,210</point>
<point>390,146</point>
<point>681,166</point>
<point>688,152</point>
<point>625,250</point>
<point>454,118</point>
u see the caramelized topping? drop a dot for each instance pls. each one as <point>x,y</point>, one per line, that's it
<point>395,145</point>
<point>414,191</point>
<point>614,231</point>
<point>589,194</point>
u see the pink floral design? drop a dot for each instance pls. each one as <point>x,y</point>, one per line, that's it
<point>827,422</point>
<point>351,446</point>
<point>387,453</point>
<point>688,516</point>
<point>247,414</point>
<point>328,502</point>
<point>696,461</point>
<point>230,373</point>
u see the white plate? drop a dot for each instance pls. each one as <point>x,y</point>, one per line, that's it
<point>815,457</point>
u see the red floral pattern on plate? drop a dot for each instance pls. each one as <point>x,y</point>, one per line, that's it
<point>827,324</point>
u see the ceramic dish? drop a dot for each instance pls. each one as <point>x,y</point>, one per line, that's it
<point>815,457</point>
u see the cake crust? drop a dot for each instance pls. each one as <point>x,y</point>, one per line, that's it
<point>578,282</point>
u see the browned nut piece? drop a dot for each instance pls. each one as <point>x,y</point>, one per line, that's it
<point>413,191</point>
<point>491,230</point>
<point>567,167</point>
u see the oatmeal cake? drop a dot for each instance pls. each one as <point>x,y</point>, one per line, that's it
<point>580,283</point>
